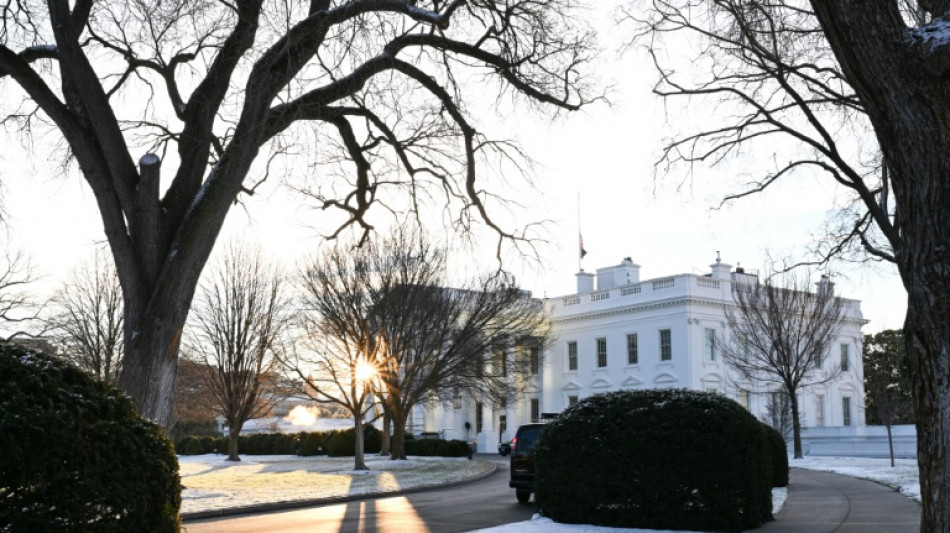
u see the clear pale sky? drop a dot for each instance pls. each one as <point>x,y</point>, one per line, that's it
<point>599,160</point>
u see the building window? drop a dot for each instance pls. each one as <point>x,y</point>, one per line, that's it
<point>501,363</point>
<point>571,400</point>
<point>457,400</point>
<point>709,338</point>
<point>633,356</point>
<point>819,410</point>
<point>601,352</point>
<point>478,417</point>
<point>534,354</point>
<point>572,355</point>
<point>846,411</point>
<point>744,399</point>
<point>666,345</point>
<point>712,390</point>
<point>845,362</point>
<point>535,410</point>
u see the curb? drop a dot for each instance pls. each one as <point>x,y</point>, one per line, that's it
<point>297,504</point>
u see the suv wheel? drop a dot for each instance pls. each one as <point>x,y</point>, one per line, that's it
<point>523,495</point>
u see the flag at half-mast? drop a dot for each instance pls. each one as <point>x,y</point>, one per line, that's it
<point>582,251</point>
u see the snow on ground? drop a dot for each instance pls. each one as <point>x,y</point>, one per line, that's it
<point>210,482</point>
<point>903,476</point>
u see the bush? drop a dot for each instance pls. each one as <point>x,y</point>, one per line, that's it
<point>779,449</point>
<point>655,459</point>
<point>343,443</point>
<point>190,445</point>
<point>311,444</point>
<point>76,457</point>
<point>436,448</point>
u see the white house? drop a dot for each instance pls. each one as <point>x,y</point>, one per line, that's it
<point>626,333</point>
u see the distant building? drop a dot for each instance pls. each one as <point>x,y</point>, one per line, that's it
<point>625,333</point>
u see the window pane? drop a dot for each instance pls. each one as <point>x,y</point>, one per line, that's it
<point>709,338</point>
<point>601,353</point>
<point>846,411</point>
<point>633,356</point>
<point>572,355</point>
<point>666,346</point>
<point>845,362</point>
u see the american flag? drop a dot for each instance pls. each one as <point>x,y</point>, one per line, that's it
<point>583,252</point>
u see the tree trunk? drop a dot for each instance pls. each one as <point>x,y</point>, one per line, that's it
<point>359,461</point>
<point>150,366</point>
<point>387,430</point>
<point>890,442</point>
<point>796,426</point>
<point>927,349</point>
<point>234,433</point>
<point>398,443</point>
<point>901,79</point>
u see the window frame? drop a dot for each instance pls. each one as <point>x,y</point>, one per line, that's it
<point>666,350</point>
<point>600,347</point>
<point>709,344</point>
<point>633,349</point>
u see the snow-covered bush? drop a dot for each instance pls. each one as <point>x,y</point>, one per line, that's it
<point>655,459</point>
<point>779,449</point>
<point>75,456</point>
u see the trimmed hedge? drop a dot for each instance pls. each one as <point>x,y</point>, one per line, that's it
<point>436,448</point>
<point>335,443</point>
<point>76,456</point>
<point>779,449</point>
<point>655,459</point>
<point>342,443</point>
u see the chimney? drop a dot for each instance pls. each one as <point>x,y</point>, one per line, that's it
<point>585,282</point>
<point>626,273</point>
<point>825,284</point>
<point>720,270</point>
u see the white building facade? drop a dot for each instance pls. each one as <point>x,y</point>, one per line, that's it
<point>620,333</point>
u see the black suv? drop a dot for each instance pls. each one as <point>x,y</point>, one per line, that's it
<point>522,460</point>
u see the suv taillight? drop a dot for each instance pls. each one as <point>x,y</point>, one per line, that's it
<point>514,444</point>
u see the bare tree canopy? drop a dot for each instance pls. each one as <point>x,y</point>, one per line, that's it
<point>780,333</point>
<point>425,337</point>
<point>238,323</point>
<point>87,319</point>
<point>815,73</point>
<point>212,87</point>
<point>19,311</point>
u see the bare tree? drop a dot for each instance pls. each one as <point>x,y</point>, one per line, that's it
<point>778,414</point>
<point>239,318</point>
<point>215,86</point>
<point>780,333</point>
<point>87,319</point>
<point>811,76</point>
<point>425,338</point>
<point>19,310</point>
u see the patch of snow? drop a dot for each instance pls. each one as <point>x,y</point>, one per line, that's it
<point>930,36</point>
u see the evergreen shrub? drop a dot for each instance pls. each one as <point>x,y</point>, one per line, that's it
<point>779,450</point>
<point>655,459</point>
<point>436,448</point>
<point>342,443</point>
<point>194,446</point>
<point>76,456</point>
<point>311,443</point>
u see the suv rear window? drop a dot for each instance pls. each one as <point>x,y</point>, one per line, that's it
<point>527,437</point>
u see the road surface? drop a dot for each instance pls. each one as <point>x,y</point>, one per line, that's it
<point>481,504</point>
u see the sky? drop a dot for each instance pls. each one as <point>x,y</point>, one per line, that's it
<point>594,175</point>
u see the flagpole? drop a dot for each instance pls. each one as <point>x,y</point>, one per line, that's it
<point>580,237</point>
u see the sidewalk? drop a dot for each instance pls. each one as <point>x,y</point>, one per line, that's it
<point>819,502</point>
